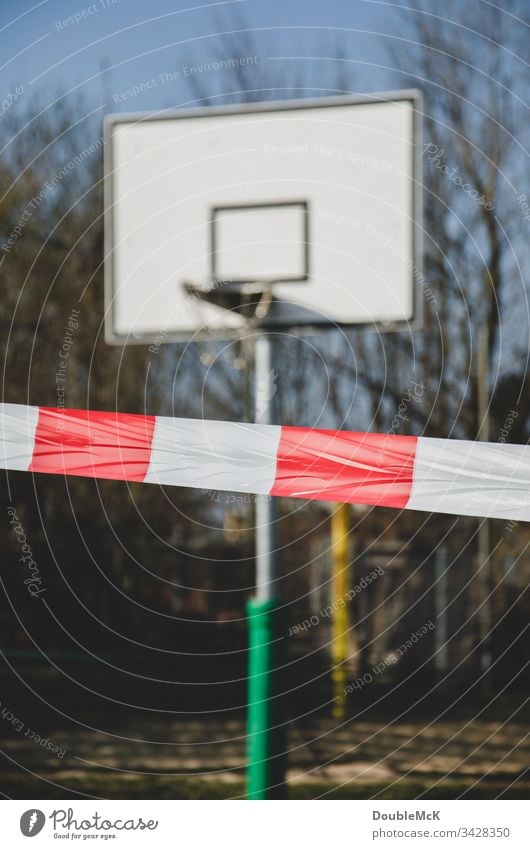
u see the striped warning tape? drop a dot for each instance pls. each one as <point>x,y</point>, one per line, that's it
<point>439,475</point>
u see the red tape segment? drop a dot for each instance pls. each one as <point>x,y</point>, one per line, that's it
<point>364,468</point>
<point>92,444</point>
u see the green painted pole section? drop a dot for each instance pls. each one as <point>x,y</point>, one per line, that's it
<point>266,730</point>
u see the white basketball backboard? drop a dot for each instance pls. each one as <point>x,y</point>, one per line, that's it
<point>320,198</point>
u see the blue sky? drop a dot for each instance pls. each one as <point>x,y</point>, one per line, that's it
<point>114,45</point>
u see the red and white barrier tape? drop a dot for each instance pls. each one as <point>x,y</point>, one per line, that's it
<point>439,475</point>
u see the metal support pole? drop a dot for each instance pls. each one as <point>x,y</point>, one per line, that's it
<point>266,720</point>
<point>339,615</point>
<point>483,554</point>
<point>265,506</point>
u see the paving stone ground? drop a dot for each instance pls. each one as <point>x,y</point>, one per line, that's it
<point>357,753</point>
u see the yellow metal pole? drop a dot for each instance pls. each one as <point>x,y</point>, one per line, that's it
<point>339,602</point>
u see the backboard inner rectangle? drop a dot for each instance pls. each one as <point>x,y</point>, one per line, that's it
<point>260,242</point>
